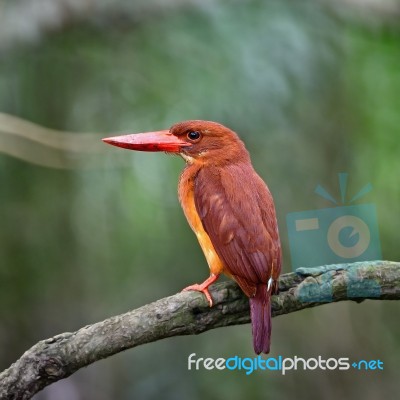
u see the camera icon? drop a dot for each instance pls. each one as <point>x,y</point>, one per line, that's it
<point>341,234</point>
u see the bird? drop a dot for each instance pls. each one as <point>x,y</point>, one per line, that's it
<point>229,208</point>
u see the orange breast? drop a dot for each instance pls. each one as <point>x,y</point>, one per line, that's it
<point>186,198</point>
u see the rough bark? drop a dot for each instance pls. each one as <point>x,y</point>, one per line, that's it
<point>188,313</point>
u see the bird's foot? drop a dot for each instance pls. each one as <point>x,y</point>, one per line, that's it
<point>203,287</point>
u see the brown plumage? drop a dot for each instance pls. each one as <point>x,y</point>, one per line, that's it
<point>229,208</point>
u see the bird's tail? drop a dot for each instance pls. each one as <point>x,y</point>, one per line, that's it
<point>260,310</point>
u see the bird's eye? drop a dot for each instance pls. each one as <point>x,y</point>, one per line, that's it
<point>193,135</point>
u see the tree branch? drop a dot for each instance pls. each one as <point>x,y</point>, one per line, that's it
<point>188,313</point>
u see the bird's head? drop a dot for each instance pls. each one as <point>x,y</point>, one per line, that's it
<point>195,140</point>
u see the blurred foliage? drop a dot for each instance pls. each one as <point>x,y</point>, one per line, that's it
<point>311,91</point>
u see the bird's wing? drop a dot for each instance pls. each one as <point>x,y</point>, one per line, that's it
<point>238,214</point>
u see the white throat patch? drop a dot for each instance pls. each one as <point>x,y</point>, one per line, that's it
<point>187,158</point>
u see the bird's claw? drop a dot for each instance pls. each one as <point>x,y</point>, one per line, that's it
<point>204,287</point>
<point>200,288</point>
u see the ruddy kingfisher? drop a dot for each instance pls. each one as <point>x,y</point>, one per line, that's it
<point>229,208</point>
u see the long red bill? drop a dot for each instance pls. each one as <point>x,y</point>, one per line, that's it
<point>150,141</point>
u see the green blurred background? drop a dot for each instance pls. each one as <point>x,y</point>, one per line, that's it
<point>88,231</point>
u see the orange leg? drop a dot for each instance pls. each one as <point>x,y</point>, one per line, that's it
<point>203,287</point>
